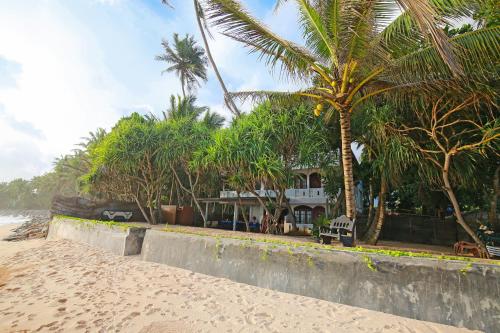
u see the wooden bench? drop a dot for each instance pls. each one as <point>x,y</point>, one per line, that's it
<point>494,251</point>
<point>339,227</point>
<point>116,215</point>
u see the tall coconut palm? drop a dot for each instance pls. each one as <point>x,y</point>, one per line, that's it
<point>355,50</point>
<point>200,19</point>
<point>187,60</point>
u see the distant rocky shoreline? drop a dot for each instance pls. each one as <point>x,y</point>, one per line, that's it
<point>36,227</point>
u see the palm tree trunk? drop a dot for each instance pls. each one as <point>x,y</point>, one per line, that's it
<point>290,211</point>
<point>158,206</point>
<point>492,218</point>
<point>370,219</point>
<point>171,193</point>
<point>138,202</point>
<point>371,198</point>
<point>374,232</point>
<point>183,89</point>
<point>337,207</point>
<point>345,134</point>
<point>227,98</point>
<point>247,225</point>
<point>456,206</point>
<point>191,192</point>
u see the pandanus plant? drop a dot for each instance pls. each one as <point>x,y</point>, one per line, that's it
<point>355,50</point>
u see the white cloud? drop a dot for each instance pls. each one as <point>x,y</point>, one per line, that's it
<point>82,64</point>
<point>68,85</point>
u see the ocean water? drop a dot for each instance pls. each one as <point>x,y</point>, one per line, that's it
<point>9,219</point>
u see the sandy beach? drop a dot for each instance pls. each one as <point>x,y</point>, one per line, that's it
<point>62,286</point>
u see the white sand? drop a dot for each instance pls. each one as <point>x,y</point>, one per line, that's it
<point>60,286</point>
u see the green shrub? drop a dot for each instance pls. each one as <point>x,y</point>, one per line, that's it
<point>321,221</point>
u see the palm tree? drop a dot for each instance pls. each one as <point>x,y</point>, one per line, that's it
<point>213,120</point>
<point>355,50</point>
<point>188,61</point>
<point>184,107</point>
<point>389,157</point>
<point>200,19</point>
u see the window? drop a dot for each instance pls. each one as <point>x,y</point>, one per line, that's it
<point>300,181</point>
<point>315,180</point>
<point>303,215</point>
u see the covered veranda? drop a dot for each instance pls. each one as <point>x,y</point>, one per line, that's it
<point>233,209</point>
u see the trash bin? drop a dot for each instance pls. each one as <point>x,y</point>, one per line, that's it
<point>185,215</point>
<point>169,213</point>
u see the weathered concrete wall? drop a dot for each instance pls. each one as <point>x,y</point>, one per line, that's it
<point>92,209</point>
<point>119,240</point>
<point>443,291</point>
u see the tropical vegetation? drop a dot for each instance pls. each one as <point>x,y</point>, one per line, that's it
<point>416,92</point>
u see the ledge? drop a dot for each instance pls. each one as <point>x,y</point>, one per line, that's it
<point>453,292</point>
<point>119,238</point>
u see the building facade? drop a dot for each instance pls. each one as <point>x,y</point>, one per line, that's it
<point>307,198</point>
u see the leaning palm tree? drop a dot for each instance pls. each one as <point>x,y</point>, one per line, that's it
<point>355,50</point>
<point>187,60</point>
<point>200,19</point>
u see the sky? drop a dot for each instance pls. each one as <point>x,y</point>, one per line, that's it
<point>68,67</point>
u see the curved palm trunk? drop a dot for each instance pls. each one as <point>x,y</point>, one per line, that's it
<point>183,89</point>
<point>191,192</point>
<point>371,198</point>
<point>456,206</point>
<point>138,202</point>
<point>227,99</point>
<point>371,208</point>
<point>292,215</point>
<point>345,135</point>
<point>376,227</point>
<point>247,225</point>
<point>494,199</point>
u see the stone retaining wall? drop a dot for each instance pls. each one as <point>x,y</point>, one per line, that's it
<point>450,292</point>
<point>117,238</point>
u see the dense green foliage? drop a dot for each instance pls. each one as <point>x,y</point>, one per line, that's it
<point>418,96</point>
<point>142,155</point>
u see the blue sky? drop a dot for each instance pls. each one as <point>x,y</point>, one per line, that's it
<point>70,66</point>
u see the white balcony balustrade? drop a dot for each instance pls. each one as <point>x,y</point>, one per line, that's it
<point>290,193</point>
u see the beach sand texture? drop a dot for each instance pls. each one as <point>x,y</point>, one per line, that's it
<point>62,286</point>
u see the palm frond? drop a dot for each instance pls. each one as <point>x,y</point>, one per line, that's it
<point>427,19</point>
<point>237,23</point>
<point>276,96</point>
<point>316,33</point>
<point>477,53</point>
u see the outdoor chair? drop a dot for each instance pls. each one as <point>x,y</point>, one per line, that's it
<point>462,248</point>
<point>342,229</point>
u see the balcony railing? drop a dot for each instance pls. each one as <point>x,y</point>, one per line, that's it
<point>261,193</point>
<point>290,193</point>
<point>306,193</point>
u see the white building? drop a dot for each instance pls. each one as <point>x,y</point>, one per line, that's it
<point>307,199</point>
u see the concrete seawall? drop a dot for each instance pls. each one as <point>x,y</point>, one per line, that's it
<point>444,291</point>
<point>118,239</point>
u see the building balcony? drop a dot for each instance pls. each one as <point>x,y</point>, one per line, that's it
<point>293,193</point>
